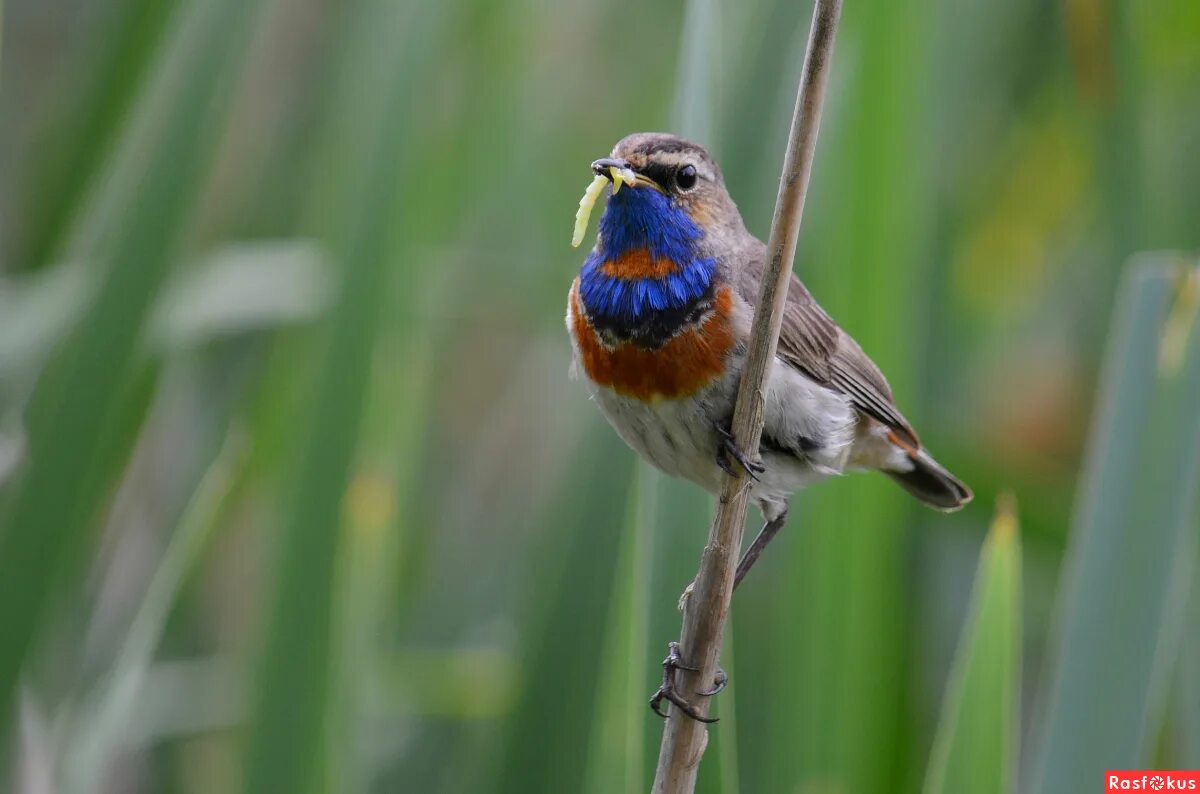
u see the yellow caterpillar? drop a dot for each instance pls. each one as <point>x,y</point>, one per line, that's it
<point>589,200</point>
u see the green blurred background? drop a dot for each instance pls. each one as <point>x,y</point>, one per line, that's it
<point>296,494</point>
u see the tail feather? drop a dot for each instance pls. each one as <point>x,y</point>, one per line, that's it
<point>930,482</point>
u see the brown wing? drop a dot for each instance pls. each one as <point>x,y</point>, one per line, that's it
<point>856,374</point>
<point>812,342</point>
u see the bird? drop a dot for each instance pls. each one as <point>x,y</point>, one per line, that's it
<point>659,320</point>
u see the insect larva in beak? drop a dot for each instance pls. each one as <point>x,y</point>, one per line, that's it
<point>585,208</point>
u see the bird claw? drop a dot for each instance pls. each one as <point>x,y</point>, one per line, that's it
<point>720,681</point>
<point>673,662</point>
<point>729,449</point>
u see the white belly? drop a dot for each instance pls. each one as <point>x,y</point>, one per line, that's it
<point>679,438</point>
<point>675,436</point>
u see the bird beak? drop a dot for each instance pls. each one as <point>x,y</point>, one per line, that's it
<point>620,172</point>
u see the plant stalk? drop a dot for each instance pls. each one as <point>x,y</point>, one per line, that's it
<point>707,609</point>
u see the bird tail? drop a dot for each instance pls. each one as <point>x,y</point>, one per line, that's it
<point>930,482</point>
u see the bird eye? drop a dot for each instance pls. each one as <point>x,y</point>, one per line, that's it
<point>686,177</point>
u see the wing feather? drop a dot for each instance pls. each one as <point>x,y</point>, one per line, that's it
<point>812,342</point>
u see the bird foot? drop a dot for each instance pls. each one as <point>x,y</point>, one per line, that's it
<point>729,449</point>
<point>673,662</point>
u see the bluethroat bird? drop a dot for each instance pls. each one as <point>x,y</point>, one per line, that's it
<point>659,319</point>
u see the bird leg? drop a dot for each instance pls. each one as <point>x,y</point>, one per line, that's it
<point>673,662</point>
<point>765,535</point>
<point>730,449</point>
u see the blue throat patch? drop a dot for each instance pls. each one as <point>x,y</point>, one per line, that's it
<point>644,219</point>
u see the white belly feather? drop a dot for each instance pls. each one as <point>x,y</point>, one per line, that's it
<point>678,436</point>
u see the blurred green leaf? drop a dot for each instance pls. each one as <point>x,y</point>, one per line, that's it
<point>240,288</point>
<point>110,74</point>
<point>235,289</point>
<point>182,698</point>
<point>457,684</point>
<point>975,748</point>
<point>74,413</point>
<point>1133,543</point>
<point>290,749</point>
<point>467,683</point>
<point>697,91</point>
<point>1186,697</point>
<point>36,311</point>
<point>616,758</point>
<point>101,727</point>
<point>837,645</point>
<point>542,751</point>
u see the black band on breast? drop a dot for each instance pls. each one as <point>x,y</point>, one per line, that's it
<point>656,328</point>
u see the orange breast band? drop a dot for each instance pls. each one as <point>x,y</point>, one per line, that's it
<point>687,363</point>
<point>637,264</point>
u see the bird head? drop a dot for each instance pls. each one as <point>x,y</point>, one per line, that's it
<point>673,198</point>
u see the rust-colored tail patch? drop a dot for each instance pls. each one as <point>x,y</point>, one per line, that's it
<point>904,445</point>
